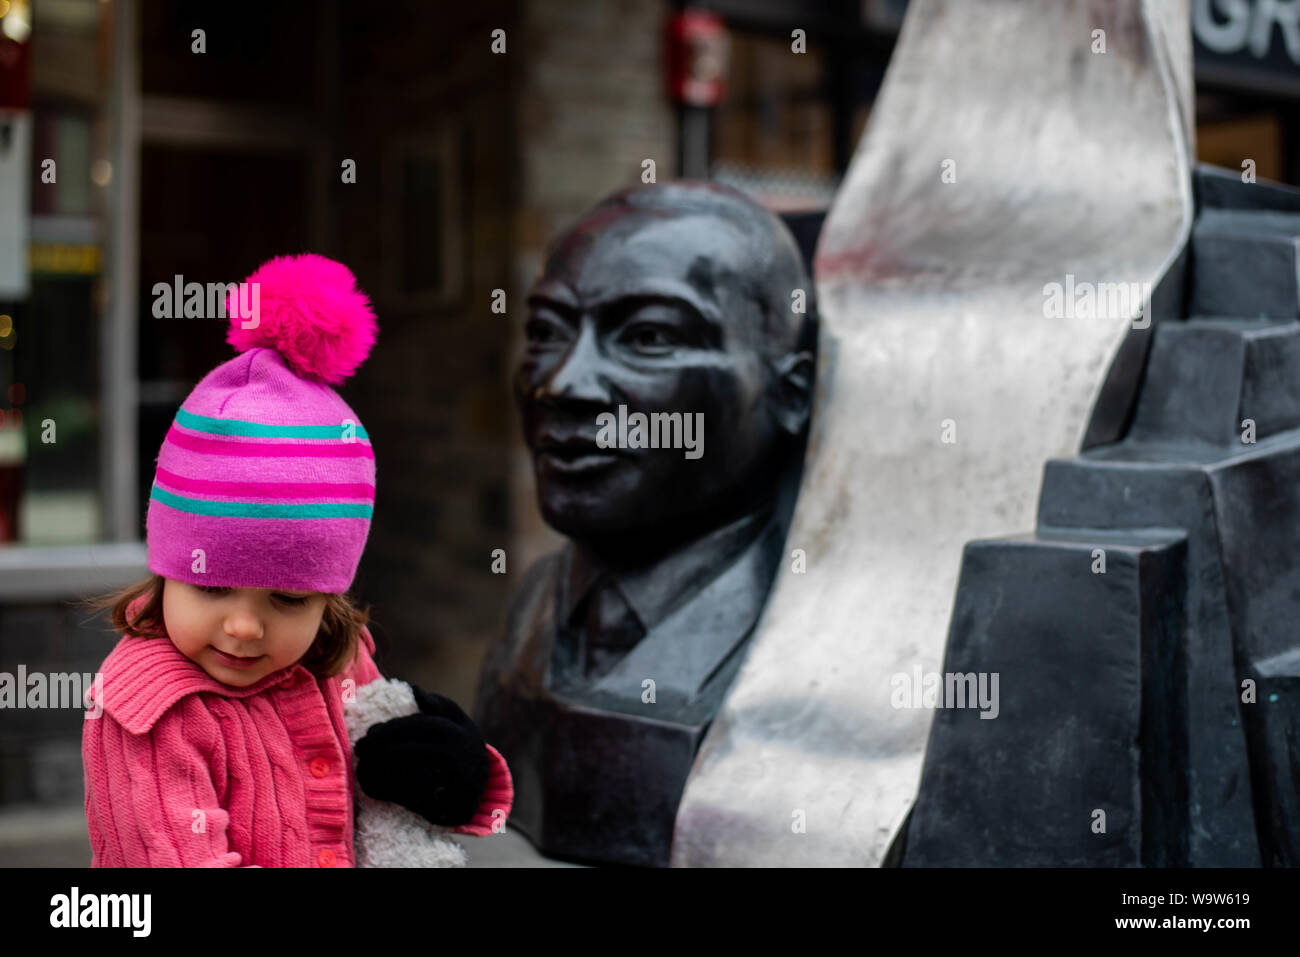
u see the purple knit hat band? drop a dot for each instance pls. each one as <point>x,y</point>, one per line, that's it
<point>266,478</point>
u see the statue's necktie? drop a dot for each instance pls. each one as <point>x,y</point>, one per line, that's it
<point>612,627</point>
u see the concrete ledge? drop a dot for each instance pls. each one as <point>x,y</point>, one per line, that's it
<point>70,571</point>
<point>36,836</point>
<point>510,849</point>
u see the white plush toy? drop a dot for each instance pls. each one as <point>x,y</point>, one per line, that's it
<point>386,834</point>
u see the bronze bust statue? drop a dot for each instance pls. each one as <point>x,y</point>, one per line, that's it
<point>668,314</point>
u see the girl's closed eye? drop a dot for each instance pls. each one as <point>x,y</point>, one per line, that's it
<point>280,598</point>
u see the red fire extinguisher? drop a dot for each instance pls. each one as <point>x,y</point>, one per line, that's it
<point>697,58</point>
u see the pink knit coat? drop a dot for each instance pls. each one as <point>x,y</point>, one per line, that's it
<point>184,771</point>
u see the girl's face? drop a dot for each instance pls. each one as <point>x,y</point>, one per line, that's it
<point>241,635</point>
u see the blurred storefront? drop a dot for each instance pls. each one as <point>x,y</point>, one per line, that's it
<point>140,141</point>
<point>57,68</point>
<point>787,125</point>
<point>1247,55</point>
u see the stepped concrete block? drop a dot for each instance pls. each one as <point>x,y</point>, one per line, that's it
<point>1082,765</point>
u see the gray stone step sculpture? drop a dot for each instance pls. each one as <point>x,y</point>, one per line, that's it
<point>1150,701</point>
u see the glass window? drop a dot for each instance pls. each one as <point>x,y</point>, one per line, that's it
<point>55,56</point>
<point>773,133</point>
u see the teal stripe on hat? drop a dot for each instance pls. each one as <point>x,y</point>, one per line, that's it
<point>205,423</point>
<point>198,506</point>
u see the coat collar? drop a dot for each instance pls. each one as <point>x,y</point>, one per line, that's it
<point>144,677</point>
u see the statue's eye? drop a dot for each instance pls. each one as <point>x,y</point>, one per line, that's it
<point>541,330</point>
<point>652,337</point>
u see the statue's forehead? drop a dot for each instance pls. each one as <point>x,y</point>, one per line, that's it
<point>604,258</point>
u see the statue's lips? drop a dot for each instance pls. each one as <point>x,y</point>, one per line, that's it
<point>574,455</point>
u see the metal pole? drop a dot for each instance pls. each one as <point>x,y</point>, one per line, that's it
<point>693,145</point>
<point>118,356</point>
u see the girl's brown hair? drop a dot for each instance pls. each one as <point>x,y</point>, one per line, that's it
<point>331,652</point>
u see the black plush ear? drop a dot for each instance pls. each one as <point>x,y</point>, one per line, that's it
<point>440,707</point>
<point>794,390</point>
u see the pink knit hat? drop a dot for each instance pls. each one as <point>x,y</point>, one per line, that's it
<point>266,478</point>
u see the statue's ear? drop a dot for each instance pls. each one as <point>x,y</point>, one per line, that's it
<point>794,391</point>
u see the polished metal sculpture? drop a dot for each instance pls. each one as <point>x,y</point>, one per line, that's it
<point>664,392</point>
<point>1014,147</point>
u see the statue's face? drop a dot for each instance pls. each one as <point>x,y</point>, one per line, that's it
<point>645,312</point>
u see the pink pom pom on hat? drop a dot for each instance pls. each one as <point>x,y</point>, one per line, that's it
<point>266,478</point>
<point>311,312</point>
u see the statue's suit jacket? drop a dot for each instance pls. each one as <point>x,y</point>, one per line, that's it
<point>599,766</point>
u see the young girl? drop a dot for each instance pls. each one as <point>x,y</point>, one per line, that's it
<point>222,740</point>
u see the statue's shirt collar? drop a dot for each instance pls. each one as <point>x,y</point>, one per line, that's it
<point>654,591</point>
<point>698,614</point>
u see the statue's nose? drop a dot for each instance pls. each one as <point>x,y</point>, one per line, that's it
<point>580,376</point>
